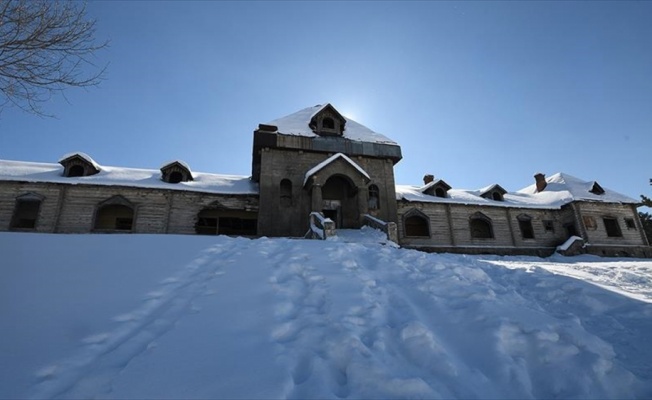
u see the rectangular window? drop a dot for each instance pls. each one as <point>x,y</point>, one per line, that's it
<point>25,214</point>
<point>629,222</point>
<point>548,225</point>
<point>611,226</point>
<point>526,229</point>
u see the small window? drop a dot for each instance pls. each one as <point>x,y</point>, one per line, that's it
<point>286,193</point>
<point>76,170</point>
<point>497,196</point>
<point>374,197</point>
<point>629,222</point>
<point>548,225</point>
<point>440,192</point>
<point>525,224</point>
<point>481,227</point>
<point>114,217</point>
<point>328,123</point>
<point>175,177</point>
<point>611,226</point>
<point>26,213</point>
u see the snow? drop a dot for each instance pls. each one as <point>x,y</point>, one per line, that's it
<point>297,124</point>
<point>567,244</point>
<point>131,177</point>
<point>82,155</point>
<point>562,189</point>
<point>329,160</point>
<point>166,316</point>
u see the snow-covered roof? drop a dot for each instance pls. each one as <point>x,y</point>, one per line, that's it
<point>561,189</point>
<point>297,124</point>
<point>83,156</point>
<point>118,176</point>
<point>436,182</point>
<point>329,160</point>
<point>180,162</point>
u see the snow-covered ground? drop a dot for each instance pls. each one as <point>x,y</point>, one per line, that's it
<point>163,316</point>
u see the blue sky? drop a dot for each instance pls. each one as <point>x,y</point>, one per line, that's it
<point>475,92</point>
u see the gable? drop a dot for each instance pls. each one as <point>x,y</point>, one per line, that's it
<point>336,164</point>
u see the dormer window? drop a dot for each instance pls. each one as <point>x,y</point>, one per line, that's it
<point>327,122</point>
<point>493,192</point>
<point>436,188</point>
<point>78,164</point>
<point>596,189</point>
<point>175,172</point>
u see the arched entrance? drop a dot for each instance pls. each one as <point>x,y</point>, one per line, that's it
<point>340,201</point>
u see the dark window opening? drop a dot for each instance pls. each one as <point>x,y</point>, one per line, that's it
<point>629,222</point>
<point>597,189</point>
<point>527,231</point>
<point>237,226</point>
<point>497,196</point>
<point>76,170</point>
<point>328,123</point>
<point>114,217</point>
<point>548,225</point>
<point>374,197</point>
<point>175,177</point>
<point>440,192</point>
<point>612,228</point>
<point>206,226</point>
<point>25,214</point>
<point>286,193</point>
<point>416,226</point>
<point>481,228</point>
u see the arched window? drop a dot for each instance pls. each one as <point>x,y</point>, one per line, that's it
<point>115,214</point>
<point>328,123</point>
<point>175,177</point>
<point>207,222</point>
<point>76,170</point>
<point>416,224</point>
<point>374,197</point>
<point>480,226</point>
<point>525,224</point>
<point>286,193</point>
<point>497,196</point>
<point>26,211</point>
<point>440,192</point>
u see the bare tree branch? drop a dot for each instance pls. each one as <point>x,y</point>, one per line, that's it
<point>45,47</point>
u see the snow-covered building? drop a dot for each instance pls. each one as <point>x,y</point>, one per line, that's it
<point>318,161</point>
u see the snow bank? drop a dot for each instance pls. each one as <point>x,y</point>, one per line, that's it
<point>143,316</point>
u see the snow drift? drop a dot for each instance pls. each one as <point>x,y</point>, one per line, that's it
<point>163,316</point>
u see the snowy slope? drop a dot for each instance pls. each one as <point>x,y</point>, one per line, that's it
<point>146,316</point>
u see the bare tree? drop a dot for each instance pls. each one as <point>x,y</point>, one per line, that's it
<point>45,47</point>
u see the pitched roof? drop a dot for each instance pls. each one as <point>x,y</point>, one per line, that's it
<point>131,177</point>
<point>329,160</point>
<point>297,124</point>
<point>562,189</point>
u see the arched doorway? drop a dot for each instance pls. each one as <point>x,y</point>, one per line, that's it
<point>340,202</point>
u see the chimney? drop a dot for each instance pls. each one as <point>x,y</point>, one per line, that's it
<point>428,178</point>
<point>541,182</point>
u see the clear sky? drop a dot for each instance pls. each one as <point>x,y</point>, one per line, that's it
<point>476,93</point>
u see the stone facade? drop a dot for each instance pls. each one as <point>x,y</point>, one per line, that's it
<point>317,161</point>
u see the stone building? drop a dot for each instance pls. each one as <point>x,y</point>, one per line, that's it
<point>318,161</point>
